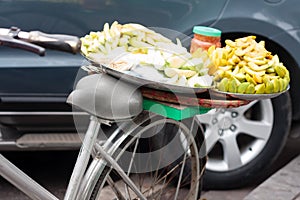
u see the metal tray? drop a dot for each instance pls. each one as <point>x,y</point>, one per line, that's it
<point>157,81</point>
<point>251,97</point>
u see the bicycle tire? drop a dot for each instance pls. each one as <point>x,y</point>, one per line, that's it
<point>193,147</point>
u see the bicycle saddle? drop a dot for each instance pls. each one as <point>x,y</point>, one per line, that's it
<point>106,97</point>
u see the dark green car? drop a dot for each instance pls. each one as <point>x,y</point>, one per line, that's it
<point>33,89</point>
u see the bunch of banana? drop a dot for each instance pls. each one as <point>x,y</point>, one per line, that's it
<point>131,44</point>
<point>245,66</point>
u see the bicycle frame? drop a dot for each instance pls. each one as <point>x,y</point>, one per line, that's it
<point>35,191</point>
<point>22,181</point>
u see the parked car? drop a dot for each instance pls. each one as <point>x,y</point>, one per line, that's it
<point>33,90</point>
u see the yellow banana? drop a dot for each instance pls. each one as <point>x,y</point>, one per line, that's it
<point>260,88</point>
<point>272,76</point>
<point>256,60</point>
<point>223,62</point>
<point>260,62</point>
<point>231,53</point>
<point>242,43</point>
<point>281,84</point>
<point>250,79</point>
<point>265,79</point>
<point>233,86</point>
<point>230,43</point>
<point>275,59</point>
<point>276,85</point>
<point>246,39</point>
<point>255,67</point>
<point>211,49</point>
<point>233,60</point>
<point>251,72</point>
<point>228,74</point>
<point>271,62</point>
<point>237,81</point>
<point>242,70</point>
<point>223,85</point>
<point>218,75</point>
<point>242,64</point>
<point>250,89</point>
<point>226,68</point>
<point>269,87</point>
<point>250,48</point>
<point>239,52</point>
<point>285,84</point>
<point>287,75</point>
<point>212,69</point>
<point>280,70</point>
<point>257,79</point>
<point>262,43</point>
<point>236,69</point>
<point>243,87</point>
<point>240,76</point>
<point>270,70</point>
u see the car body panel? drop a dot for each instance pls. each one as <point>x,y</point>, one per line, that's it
<point>55,73</point>
<point>27,73</point>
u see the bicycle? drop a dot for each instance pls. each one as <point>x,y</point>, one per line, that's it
<point>183,170</point>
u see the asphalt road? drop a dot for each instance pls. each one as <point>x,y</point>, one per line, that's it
<point>53,170</point>
<point>290,151</point>
<point>50,169</point>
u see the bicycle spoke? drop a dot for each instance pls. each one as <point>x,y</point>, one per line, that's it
<point>154,194</point>
<point>130,165</point>
<point>115,189</point>
<point>161,156</point>
<point>166,175</point>
<point>161,190</point>
<point>157,181</point>
<point>180,177</point>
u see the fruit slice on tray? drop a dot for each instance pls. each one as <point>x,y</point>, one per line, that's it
<point>244,68</point>
<point>124,47</point>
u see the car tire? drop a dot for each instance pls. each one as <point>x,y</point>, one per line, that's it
<point>256,154</point>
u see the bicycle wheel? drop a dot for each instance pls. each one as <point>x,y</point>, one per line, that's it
<point>169,169</point>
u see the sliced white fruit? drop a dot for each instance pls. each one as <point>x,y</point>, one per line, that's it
<point>200,81</point>
<point>170,72</point>
<point>182,81</point>
<point>173,80</point>
<point>176,61</point>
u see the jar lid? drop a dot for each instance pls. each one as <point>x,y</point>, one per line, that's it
<point>207,31</point>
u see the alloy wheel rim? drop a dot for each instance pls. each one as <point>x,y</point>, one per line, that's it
<point>234,137</point>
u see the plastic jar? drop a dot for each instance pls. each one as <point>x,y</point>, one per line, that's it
<point>204,37</point>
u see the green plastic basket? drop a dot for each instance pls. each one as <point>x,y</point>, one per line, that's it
<point>172,111</point>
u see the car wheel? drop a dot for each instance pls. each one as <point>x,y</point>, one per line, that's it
<point>243,142</point>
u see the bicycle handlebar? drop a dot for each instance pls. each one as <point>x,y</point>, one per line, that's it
<point>15,43</point>
<point>60,42</point>
<point>34,41</point>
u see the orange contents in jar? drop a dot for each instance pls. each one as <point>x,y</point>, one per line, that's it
<point>204,37</point>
